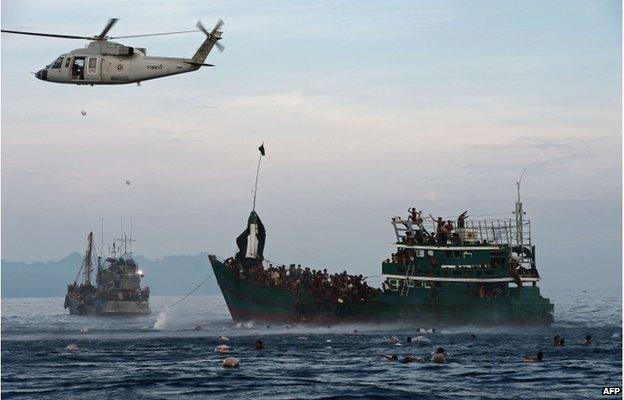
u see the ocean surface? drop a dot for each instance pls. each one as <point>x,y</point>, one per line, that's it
<point>161,356</point>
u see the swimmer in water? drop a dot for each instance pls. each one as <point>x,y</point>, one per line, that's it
<point>587,341</point>
<point>538,358</point>
<point>223,348</point>
<point>409,339</point>
<point>557,340</point>
<point>392,357</point>
<point>410,359</point>
<point>393,340</point>
<point>259,345</point>
<point>439,357</point>
<point>472,337</point>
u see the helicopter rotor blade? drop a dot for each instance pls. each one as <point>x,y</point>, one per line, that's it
<point>108,27</point>
<point>220,47</point>
<point>202,28</point>
<point>48,35</point>
<point>154,34</point>
<point>218,25</point>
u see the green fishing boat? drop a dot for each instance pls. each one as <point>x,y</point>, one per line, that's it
<point>442,272</point>
<point>467,271</point>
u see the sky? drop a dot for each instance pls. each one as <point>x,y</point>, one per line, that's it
<point>366,108</point>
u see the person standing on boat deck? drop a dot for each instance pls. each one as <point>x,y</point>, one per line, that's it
<point>461,220</point>
<point>413,214</point>
<point>441,234</point>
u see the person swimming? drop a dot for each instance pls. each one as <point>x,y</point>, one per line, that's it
<point>472,337</point>
<point>409,339</point>
<point>393,340</point>
<point>558,341</point>
<point>72,347</point>
<point>410,359</point>
<point>587,341</point>
<point>538,358</point>
<point>392,357</point>
<point>222,348</point>
<point>439,357</point>
<point>259,345</point>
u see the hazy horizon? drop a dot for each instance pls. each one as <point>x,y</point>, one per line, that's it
<point>365,109</point>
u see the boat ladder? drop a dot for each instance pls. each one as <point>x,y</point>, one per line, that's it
<point>408,274</point>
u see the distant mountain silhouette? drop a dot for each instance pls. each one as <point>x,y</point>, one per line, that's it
<point>170,275</point>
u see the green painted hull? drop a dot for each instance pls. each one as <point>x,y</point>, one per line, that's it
<point>447,305</point>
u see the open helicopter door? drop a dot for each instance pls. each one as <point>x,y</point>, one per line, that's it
<point>92,70</point>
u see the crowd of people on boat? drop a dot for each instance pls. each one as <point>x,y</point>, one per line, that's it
<point>126,294</point>
<point>325,287</point>
<point>444,231</point>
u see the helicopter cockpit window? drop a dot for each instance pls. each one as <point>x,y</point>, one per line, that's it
<point>57,64</point>
<point>67,60</point>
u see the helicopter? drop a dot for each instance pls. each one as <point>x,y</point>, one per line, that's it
<point>103,62</point>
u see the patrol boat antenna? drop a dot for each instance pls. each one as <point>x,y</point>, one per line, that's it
<point>124,245</point>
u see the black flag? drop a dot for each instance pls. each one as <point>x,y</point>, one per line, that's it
<point>261,148</point>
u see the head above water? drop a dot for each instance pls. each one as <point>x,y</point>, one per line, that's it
<point>540,356</point>
<point>440,350</point>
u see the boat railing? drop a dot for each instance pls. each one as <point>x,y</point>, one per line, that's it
<point>499,231</point>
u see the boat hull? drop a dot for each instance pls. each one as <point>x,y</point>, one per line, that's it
<point>106,307</point>
<point>249,301</point>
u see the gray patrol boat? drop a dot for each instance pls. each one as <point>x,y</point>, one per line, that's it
<point>118,284</point>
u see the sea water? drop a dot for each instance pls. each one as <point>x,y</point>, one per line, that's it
<point>164,356</point>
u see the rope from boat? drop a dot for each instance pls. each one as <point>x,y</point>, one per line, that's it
<point>192,291</point>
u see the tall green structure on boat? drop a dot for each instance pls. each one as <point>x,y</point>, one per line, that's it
<point>468,271</point>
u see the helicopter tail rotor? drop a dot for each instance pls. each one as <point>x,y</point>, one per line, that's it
<point>211,41</point>
<point>215,34</point>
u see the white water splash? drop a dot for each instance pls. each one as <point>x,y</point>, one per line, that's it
<point>161,321</point>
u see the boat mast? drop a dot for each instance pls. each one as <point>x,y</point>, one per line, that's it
<point>87,263</point>
<point>519,212</point>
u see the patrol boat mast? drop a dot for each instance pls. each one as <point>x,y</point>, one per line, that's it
<point>87,264</point>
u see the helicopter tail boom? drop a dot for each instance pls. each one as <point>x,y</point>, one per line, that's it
<point>212,40</point>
